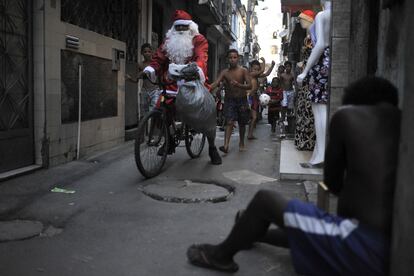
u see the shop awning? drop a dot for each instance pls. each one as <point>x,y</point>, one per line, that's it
<point>299,5</point>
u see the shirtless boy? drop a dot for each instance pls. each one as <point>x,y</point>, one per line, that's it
<point>280,70</point>
<point>287,79</point>
<point>256,72</point>
<point>236,81</point>
<point>149,91</point>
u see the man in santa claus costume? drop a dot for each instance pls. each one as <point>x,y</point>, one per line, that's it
<point>183,45</point>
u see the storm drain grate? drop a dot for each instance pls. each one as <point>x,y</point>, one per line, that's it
<point>19,230</point>
<point>188,191</point>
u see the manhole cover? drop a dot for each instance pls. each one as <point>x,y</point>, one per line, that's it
<point>19,230</point>
<point>187,191</point>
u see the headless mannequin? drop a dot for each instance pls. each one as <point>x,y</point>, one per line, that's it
<point>305,24</point>
<point>322,31</point>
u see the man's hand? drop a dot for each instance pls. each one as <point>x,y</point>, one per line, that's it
<point>190,72</point>
<point>235,83</point>
<point>141,75</point>
<point>129,78</point>
<point>145,74</point>
<point>149,73</point>
<point>300,79</point>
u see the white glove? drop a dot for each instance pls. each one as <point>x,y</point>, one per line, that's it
<point>174,70</point>
<point>300,78</point>
<point>150,72</point>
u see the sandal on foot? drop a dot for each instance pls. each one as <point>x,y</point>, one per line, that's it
<point>252,138</point>
<point>223,149</point>
<point>201,255</point>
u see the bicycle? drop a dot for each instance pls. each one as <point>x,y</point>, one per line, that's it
<point>159,134</point>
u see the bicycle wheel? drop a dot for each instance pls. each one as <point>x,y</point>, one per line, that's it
<point>194,141</point>
<point>151,144</point>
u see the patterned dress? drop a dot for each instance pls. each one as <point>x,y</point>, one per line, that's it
<point>305,130</point>
<point>318,79</point>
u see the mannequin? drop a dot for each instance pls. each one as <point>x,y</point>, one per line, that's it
<point>316,71</point>
<point>304,127</point>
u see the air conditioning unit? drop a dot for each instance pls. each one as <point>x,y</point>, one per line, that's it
<point>72,42</point>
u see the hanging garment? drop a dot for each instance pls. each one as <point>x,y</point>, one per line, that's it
<point>304,127</point>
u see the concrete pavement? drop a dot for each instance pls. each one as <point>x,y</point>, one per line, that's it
<point>109,227</point>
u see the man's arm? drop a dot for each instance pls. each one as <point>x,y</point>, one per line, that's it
<point>219,79</point>
<point>269,70</point>
<point>139,74</point>
<point>201,55</point>
<point>260,72</point>
<point>335,155</point>
<point>158,61</point>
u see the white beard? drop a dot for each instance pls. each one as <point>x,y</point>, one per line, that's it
<point>179,46</point>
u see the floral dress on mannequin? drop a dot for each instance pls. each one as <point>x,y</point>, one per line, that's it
<point>305,130</point>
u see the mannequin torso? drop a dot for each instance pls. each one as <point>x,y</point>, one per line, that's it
<point>323,31</point>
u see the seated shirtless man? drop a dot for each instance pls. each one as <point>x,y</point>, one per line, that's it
<point>236,80</point>
<point>360,168</point>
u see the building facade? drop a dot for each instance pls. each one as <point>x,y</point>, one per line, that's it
<point>375,38</point>
<point>63,93</point>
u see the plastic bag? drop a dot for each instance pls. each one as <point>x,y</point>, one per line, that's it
<point>196,107</point>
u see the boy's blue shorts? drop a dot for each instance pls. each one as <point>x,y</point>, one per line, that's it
<point>325,244</point>
<point>237,109</point>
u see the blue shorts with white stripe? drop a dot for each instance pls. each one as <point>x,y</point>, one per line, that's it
<point>326,244</point>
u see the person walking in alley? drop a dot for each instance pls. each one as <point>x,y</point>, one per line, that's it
<point>256,72</point>
<point>149,92</point>
<point>237,81</point>
<point>287,78</point>
<point>360,168</point>
<point>183,45</point>
<point>280,70</point>
<point>275,92</point>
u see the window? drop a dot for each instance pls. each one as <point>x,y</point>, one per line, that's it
<point>274,50</point>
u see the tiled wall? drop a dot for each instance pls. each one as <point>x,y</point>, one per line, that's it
<point>403,238</point>
<point>341,18</point>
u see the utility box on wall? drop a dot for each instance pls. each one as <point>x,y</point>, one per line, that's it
<point>117,55</point>
<point>99,87</point>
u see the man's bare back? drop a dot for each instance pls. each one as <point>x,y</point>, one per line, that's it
<point>366,139</point>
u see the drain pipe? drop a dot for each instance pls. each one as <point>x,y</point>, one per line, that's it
<point>45,140</point>
<point>79,109</point>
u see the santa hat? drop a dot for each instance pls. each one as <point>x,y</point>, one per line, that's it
<point>182,18</point>
<point>307,15</point>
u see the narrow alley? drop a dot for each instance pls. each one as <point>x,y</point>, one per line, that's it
<point>108,226</point>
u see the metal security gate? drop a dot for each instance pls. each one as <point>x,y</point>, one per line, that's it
<point>16,93</point>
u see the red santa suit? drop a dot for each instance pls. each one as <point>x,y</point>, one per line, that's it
<point>161,58</point>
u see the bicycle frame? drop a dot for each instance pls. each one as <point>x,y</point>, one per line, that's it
<point>158,123</point>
